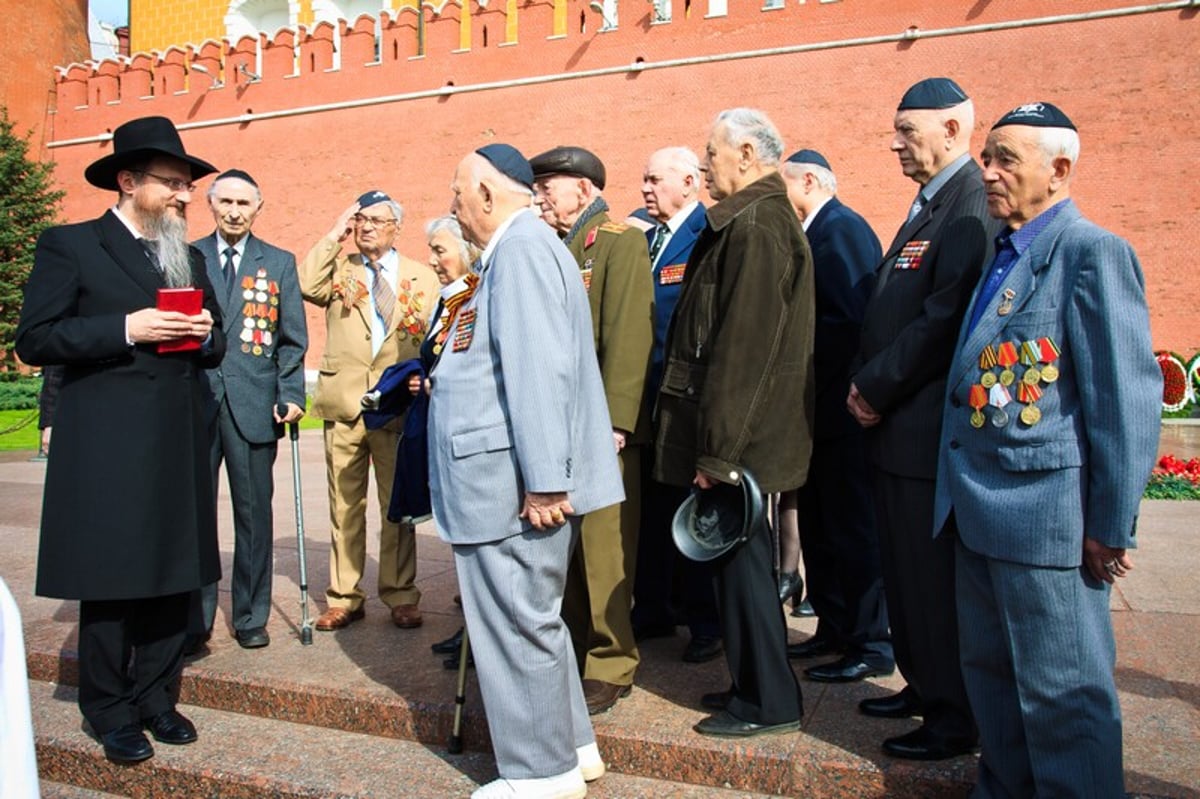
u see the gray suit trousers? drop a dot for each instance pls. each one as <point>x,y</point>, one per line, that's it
<point>252,486</point>
<point>512,599</point>
<point>1038,656</point>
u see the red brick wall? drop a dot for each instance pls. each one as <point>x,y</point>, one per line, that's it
<point>1130,84</point>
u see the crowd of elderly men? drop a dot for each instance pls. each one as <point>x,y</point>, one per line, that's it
<point>957,426</point>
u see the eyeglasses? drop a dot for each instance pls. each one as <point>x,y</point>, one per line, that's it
<point>374,221</point>
<point>174,184</point>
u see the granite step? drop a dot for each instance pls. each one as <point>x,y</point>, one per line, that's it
<point>246,757</point>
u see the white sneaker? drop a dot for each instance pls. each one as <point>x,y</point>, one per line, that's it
<point>590,764</point>
<point>568,785</point>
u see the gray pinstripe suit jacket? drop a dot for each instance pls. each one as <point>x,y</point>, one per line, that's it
<point>1029,494</point>
<point>517,402</point>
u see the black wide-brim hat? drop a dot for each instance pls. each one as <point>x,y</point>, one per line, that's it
<point>139,140</point>
<point>716,520</point>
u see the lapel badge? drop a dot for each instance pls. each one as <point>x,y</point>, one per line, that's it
<point>1006,304</point>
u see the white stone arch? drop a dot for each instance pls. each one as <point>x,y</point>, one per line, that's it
<point>349,10</point>
<point>251,17</point>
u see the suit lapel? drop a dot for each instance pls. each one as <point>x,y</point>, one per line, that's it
<point>684,237</point>
<point>1021,283</point>
<point>123,248</point>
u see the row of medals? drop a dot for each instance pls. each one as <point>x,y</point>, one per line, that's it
<point>1036,356</point>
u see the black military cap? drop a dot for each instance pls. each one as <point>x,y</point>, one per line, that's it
<point>1037,115</point>
<point>809,157</point>
<point>569,161</point>
<point>508,161</point>
<point>932,93</point>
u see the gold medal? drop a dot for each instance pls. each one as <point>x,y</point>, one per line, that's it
<point>977,419</point>
<point>1031,415</point>
<point>1031,376</point>
<point>1007,377</point>
<point>258,350</point>
<point>1049,373</point>
<point>987,379</point>
<point>262,324</point>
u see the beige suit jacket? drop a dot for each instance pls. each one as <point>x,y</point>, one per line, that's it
<point>336,282</point>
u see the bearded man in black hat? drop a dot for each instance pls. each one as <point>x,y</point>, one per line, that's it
<point>128,519</point>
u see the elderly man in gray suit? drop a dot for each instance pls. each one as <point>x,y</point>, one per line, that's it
<point>520,448</point>
<point>259,294</point>
<point>1051,423</point>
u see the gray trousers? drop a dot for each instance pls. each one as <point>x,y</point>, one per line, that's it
<point>512,593</point>
<point>252,485</point>
<point>1038,656</point>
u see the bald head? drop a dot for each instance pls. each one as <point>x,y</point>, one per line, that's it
<point>671,181</point>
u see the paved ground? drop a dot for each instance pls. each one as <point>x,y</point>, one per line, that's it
<point>1156,617</point>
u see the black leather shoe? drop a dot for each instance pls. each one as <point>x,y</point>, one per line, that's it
<point>452,663</point>
<point>196,644</point>
<point>846,669</point>
<point>171,727</point>
<point>126,744</point>
<point>922,744</point>
<point>725,725</point>
<point>718,700</point>
<point>790,584</point>
<point>643,632</point>
<point>804,610</point>
<point>902,705</point>
<point>450,645</point>
<point>814,647</point>
<point>703,648</point>
<point>254,638</point>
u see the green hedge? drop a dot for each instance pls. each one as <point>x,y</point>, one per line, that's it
<point>19,393</point>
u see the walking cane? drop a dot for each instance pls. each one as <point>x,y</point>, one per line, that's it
<point>455,746</point>
<point>306,635</point>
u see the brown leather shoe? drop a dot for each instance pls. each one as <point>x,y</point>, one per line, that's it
<point>406,617</point>
<point>601,696</point>
<point>337,618</point>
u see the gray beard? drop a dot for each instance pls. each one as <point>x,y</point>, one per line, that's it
<point>174,256</point>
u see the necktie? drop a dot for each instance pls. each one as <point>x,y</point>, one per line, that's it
<point>151,248</point>
<point>660,239</point>
<point>917,204</point>
<point>382,294</point>
<point>228,269</point>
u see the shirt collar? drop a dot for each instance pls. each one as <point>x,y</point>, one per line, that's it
<point>486,258</point>
<point>1020,239</point>
<point>808,219</point>
<point>239,246</point>
<point>942,178</point>
<point>680,216</point>
<point>137,234</point>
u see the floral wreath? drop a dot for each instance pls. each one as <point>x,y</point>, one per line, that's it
<point>1177,388</point>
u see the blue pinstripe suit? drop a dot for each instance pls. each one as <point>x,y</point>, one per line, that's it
<point>1035,633</point>
<point>518,405</point>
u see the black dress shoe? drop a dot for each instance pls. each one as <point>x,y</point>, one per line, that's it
<point>804,610</point>
<point>726,725</point>
<point>923,744</point>
<point>171,727</point>
<point>902,705</point>
<point>450,645</point>
<point>254,638</point>
<point>126,744</point>
<point>790,584</point>
<point>846,669</point>
<point>703,648</point>
<point>718,700</point>
<point>454,661</point>
<point>643,632</point>
<point>814,647</point>
<point>196,644</point>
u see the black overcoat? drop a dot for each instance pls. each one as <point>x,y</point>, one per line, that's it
<point>129,509</point>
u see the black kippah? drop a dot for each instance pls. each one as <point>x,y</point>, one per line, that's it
<point>239,174</point>
<point>508,161</point>
<point>1037,115</point>
<point>932,93</point>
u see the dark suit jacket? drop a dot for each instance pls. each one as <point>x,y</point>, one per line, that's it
<point>128,509</point>
<point>912,322</point>
<point>668,280</point>
<point>260,371</point>
<point>845,253</point>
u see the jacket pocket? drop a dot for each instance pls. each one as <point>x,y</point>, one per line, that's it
<point>684,379</point>
<point>1041,457</point>
<point>329,365</point>
<point>486,439</point>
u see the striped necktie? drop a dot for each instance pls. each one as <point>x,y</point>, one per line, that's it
<point>382,294</point>
<point>660,239</point>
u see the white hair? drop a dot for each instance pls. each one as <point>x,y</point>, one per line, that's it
<point>682,160</point>
<point>964,112</point>
<point>825,178</point>
<point>212,189</point>
<point>397,209</point>
<point>751,125</point>
<point>1059,143</point>
<point>467,251</point>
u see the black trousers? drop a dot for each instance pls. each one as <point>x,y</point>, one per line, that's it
<point>764,690</point>
<point>130,658</point>
<point>918,577</point>
<point>840,545</point>
<point>665,580</point>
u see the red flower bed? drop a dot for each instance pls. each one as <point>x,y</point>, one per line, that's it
<point>1170,466</point>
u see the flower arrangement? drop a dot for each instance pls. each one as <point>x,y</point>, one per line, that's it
<point>1181,383</point>
<point>1173,478</point>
